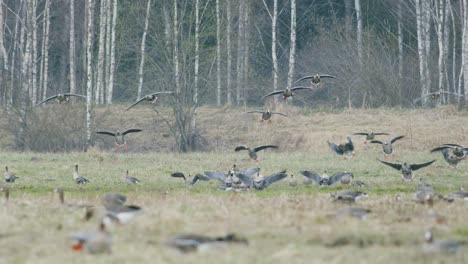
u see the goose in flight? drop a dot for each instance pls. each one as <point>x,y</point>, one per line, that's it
<point>288,92</point>
<point>253,151</point>
<point>407,169</point>
<point>115,206</point>
<point>345,149</point>
<point>316,79</point>
<point>343,177</point>
<point>119,137</point>
<point>150,98</point>
<point>387,146</point>
<point>61,98</point>
<point>266,115</point>
<point>263,183</point>
<point>369,135</point>
<point>452,153</point>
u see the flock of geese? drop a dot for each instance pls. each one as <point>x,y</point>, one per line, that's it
<point>235,179</point>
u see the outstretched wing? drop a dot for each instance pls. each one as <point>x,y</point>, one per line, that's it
<point>217,175</point>
<point>104,132</point>
<point>304,78</point>
<point>442,148</point>
<point>198,177</point>
<point>376,141</point>
<point>131,130</point>
<point>300,88</point>
<point>255,111</point>
<point>162,92</point>
<point>312,175</point>
<point>48,99</point>
<point>360,134</point>
<point>239,148</point>
<point>247,180</point>
<point>422,97</point>
<point>256,149</point>
<point>268,180</point>
<point>396,166</point>
<point>421,165</point>
<point>249,171</point>
<point>338,176</point>
<point>335,148</point>
<point>272,93</point>
<point>396,138</point>
<point>447,92</point>
<point>137,102</point>
<point>328,76</point>
<point>278,113</point>
<point>76,95</point>
<point>380,133</point>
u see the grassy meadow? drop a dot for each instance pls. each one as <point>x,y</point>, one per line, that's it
<point>282,223</point>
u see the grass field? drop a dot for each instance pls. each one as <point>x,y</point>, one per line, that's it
<point>282,223</point>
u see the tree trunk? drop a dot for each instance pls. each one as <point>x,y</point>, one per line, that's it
<point>89,73</point>
<point>100,67</point>
<point>72,54</point>
<point>13,58</point>
<point>465,50</point>
<point>245,74</point>
<point>176,49</point>
<point>143,45</point>
<point>108,44</point>
<point>218,55</point>
<point>421,50</point>
<point>34,53</point>
<point>426,9</point>
<point>357,6</point>
<point>45,51</point>
<point>240,52</point>
<point>454,47</point>
<point>229,54</point>
<point>274,57</point>
<point>292,45</point>
<point>110,87</point>
<point>2,58</point>
<point>197,50</point>
<point>167,26</point>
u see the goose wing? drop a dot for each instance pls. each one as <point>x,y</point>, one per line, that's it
<point>337,177</point>
<point>300,88</point>
<point>255,111</point>
<point>137,102</point>
<point>361,134</point>
<point>377,142</point>
<point>312,175</point>
<point>217,175</point>
<point>396,138</point>
<point>249,171</point>
<point>272,93</point>
<point>247,180</point>
<point>304,78</point>
<point>256,149</point>
<point>48,99</point>
<point>162,92</point>
<point>76,95</point>
<point>105,132</point>
<point>198,177</point>
<point>268,180</point>
<point>335,148</point>
<point>239,148</point>
<point>396,166</point>
<point>328,76</point>
<point>131,130</point>
<point>418,166</point>
<point>278,113</point>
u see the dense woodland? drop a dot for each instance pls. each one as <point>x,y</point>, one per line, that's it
<point>220,52</point>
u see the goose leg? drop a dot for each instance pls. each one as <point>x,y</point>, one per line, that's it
<point>269,121</point>
<point>116,146</point>
<point>125,146</point>
<point>261,121</point>
<point>77,246</point>
<point>320,85</point>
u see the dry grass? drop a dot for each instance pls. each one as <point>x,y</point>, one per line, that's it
<point>282,224</point>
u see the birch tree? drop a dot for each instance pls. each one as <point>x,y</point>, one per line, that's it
<point>274,58</point>
<point>143,45</point>
<point>218,55</point>
<point>176,49</point>
<point>34,52</point>
<point>440,26</point>
<point>240,51</point>
<point>357,6</point>
<point>108,42</point>
<point>400,40</point>
<point>197,50</point>
<point>229,54</point>
<point>99,96</point>
<point>110,85</point>
<point>3,57</point>
<point>421,49</point>
<point>89,73</point>
<point>292,44</point>
<point>465,50</point>
<point>72,54</point>
<point>44,75</point>
<point>9,96</point>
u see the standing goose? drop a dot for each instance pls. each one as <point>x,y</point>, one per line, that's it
<point>93,242</point>
<point>447,246</point>
<point>288,92</point>
<point>407,169</point>
<point>61,98</point>
<point>424,193</point>
<point>387,145</point>
<point>253,151</point>
<point>119,137</point>
<point>9,177</point>
<point>266,115</point>
<point>343,177</point>
<point>345,149</point>
<point>77,177</point>
<point>150,98</point>
<point>191,242</point>
<point>452,153</point>
<point>369,135</point>
<point>315,79</point>
<point>263,183</point>
<point>434,96</point>
<point>129,179</point>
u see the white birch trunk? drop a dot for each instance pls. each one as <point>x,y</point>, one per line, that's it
<point>13,58</point>
<point>274,56</point>
<point>72,54</point>
<point>218,55</point>
<point>167,26</point>
<point>421,50</point>
<point>34,53</point>
<point>143,45</point>
<point>245,74</point>
<point>426,9</point>
<point>176,49</point>
<point>197,50</point>
<point>465,49</point>
<point>28,54</point>
<point>454,48</point>
<point>3,53</point>
<point>45,54</point>
<point>240,52</point>
<point>357,6</point>
<point>108,44</point>
<point>400,41</point>
<point>110,87</point>
<point>229,54</point>
<point>292,45</point>
<point>101,67</point>
<point>440,23</point>
<point>89,73</point>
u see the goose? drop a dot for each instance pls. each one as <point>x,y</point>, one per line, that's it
<point>369,135</point>
<point>253,151</point>
<point>178,175</point>
<point>434,96</point>
<point>6,194</point>
<point>343,177</point>
<point>349,211</point>
<point>78,178</point>
<point>292,180</point>
<point>93,242</point>
<point>288,92</point>
<point>119,137</point>
<point>358,183</point>
<point>192,242</point>
<point>315,79</point>
<point>115,206</point>
<point>459,194</point>
<point>452,153</point>
<point>407,169</point>
<point>387,146</point>
<point>129,179</point>
<point>190,180</point>
<point>62,98</point>
<point>348,195</point>
<point>264,183</point>
<point>10,177</point>
<point>266,115</point>
<point>447,246</point>
<point>150,98</point>
<point>345,149</point>
<point>424,193</point>
<point>227,178</point>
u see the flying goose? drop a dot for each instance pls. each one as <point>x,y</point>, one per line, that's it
<point>93,242</point>
<point>288,92</point>
<point>407,169</point>
<point>452,153</point>
<point>343,177</point>
<point>447,246</point>
<point>150,98</point>
<point>345,149</point>
<point>61,98</point>
<point>387,146</point>
<point>434,96</point>
<point>292,180</point>
<point>369,135</point>
<point>190,180</point>
<point>119,137</point>
<point>191,242</point>
<point>227,178</point>
<point>315,79</point>
<point>9,177</point>
<point>348,195</point>
<point>115,206</point>
<point>129,179</point>
<point>266,115</point>
<point>78,178</point>
<point>262,184</point>
<point>253,151</point>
